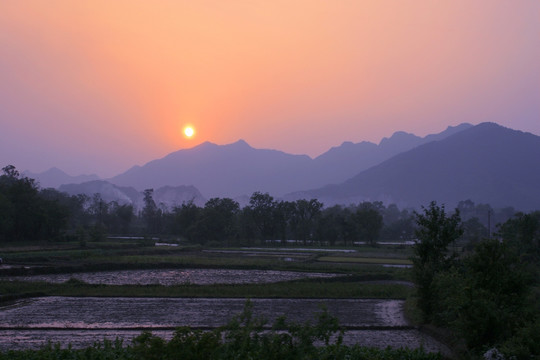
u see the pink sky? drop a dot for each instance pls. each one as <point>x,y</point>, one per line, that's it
<point>98,86</point>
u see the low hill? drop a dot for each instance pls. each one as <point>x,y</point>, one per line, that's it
<point>168,196</point>
<point>55,177</point>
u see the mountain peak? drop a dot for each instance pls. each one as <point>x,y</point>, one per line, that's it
<point>398,136</point>
<point>205,144</point>
<point>54,177</point>
<point>241,143</point>
<point>55,171</point>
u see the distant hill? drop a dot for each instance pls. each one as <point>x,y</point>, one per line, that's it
<point>236,170</point>
<point>55,177</point>
<point>222,170</point>
<point>168,196</point>
<point>343,162</point>
<point>486,163</point>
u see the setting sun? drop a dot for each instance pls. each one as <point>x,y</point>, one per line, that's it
<point>189,131</point>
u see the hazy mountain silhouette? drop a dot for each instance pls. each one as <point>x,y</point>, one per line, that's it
<point>486,163</point>
<point>341,163</point>
<point>55,177</point>
<point>109,192</point>
<point>168,196</point>
<point>238,169</point>
<point>223,170</point>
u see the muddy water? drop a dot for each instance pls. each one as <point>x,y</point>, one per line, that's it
<point>95,312</point>
<point>81,321</point>
<point>169,277</point>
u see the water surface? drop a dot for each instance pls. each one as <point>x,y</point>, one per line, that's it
<point>82,321</point>
<point>169,277</point>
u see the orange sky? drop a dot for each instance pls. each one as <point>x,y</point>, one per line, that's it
<point>98,86</point>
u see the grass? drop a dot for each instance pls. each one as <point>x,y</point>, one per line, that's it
<point>120,255</point>
<point>364,260</point>
<point>348,287</point>
<point>62,260</point>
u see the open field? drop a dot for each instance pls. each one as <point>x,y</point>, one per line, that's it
<point>364,260</point>
<point>300,276</point>
<point>320,288</point>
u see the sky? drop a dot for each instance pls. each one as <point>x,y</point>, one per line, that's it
<point>99,86</point>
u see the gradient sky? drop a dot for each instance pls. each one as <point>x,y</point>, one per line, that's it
<point>98,86</point>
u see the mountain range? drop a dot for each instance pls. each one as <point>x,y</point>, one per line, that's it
<point>238,169</point>
<point>486,163</point>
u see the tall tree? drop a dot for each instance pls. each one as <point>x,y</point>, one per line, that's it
<point>305,215</point>
<point>186,217</point>
<point>262,212</point>
<point>369,223</point>
<point>435,232</point>
<point>283,215</point>
<point>150,213</point>
<point>218,220</point>
<point>25,212</point>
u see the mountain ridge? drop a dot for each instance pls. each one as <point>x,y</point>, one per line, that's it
<point>243,169</point>
<point>487,163</point>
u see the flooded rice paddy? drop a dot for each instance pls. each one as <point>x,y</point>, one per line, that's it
<point>138,313</point>
<point>170,277</point>
<point>81,321</point>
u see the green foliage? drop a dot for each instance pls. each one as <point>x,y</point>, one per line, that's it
<point>218,221</point>
<point>26,212</point>
<point>262,208</point>
<point>490,297</point>
<point>305,216</point>
<point>369,223</point>
<point>523,234</point>
<point>484,300</point>
<point>436,231</point>
<point>185,218</point>
<point>313,288</point>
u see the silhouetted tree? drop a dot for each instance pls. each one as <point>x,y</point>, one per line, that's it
<point>262,212</point>
<point>150,213</point>
<point>218,221</point>
<point>305,216</point>
<point>26,213</point>
<point>436,231</point>
<point>186,218</point>
<point>283,215</point>
<point>369,223</point>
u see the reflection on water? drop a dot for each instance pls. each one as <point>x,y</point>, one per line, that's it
<point>95,312</point>
<point>81,321</point>
<point>169,277</point>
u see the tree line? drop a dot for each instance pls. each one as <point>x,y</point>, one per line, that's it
<point>28,212</point>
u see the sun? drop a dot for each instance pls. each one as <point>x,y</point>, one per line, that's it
<point>189,131</point>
